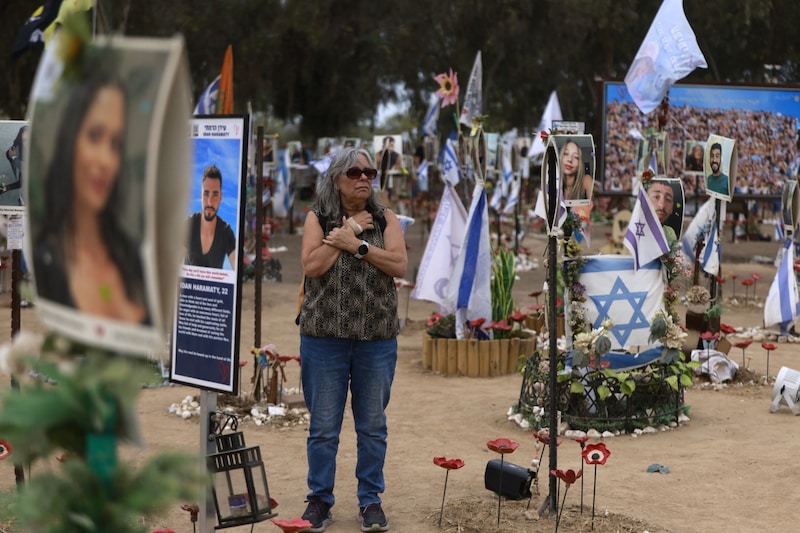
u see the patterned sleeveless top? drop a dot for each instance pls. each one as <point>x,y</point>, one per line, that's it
<point>353,299</point>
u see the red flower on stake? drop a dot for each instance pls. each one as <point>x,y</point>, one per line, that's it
<point>727,328</point>
<point>518,316</point>
<point>5,449</point>
<point>478,322</point>
<point>501,325</point>
<point>536,307</point>
<point>434,319</point>
<point>720,279</point>
<point>567,476</point>
<point>596,454</point>
<point>447,464</point>
<point>292,526</point>
<point>502,445</point>
<point>193,510</point>
<point>768,346</point>
<point>743,345</point>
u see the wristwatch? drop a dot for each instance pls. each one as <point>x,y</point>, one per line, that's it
<point>363,248</point>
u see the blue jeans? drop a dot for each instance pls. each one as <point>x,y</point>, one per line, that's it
<point>329,365</point>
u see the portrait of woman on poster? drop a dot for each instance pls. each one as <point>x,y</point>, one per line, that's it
<point>576,182</point>
<point>83,257</point>
<point>694,157</point>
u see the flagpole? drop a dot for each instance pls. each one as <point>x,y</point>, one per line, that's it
<point>552,292</point>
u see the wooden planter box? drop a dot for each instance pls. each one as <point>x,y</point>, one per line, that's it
<point>474,358</point>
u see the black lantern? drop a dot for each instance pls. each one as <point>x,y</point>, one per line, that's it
<point>240,490</point>
<point>508,479</point>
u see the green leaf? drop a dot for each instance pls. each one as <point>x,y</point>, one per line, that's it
<point>627,387</point>
<point>672,381</point>
<point>686,380</point>
<point>576,387</point>
<point>603,392</point>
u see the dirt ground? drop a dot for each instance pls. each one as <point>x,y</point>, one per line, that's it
<point>732,467</point>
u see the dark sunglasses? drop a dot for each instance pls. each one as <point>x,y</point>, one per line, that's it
<point>354,173</point>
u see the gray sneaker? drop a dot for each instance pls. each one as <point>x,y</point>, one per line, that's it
<point>372,518</point>
<point>318,513</point>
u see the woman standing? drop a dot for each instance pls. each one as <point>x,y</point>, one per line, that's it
<point>353,247</point>
<point>577,184</point>
<point>83,258</point>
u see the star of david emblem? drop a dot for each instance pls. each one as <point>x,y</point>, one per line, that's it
<point>448,164</point>
<point>639,229</point>
<point>620,293</point>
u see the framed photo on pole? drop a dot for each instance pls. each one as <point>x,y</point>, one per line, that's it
<point>205,347</point>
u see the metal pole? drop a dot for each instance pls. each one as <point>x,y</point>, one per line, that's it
<point>16,275</point>
<point>552,310</point>
<point>208,512</point>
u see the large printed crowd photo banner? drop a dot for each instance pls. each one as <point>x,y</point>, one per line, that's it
<point>206,331</point>
<point>762,121</point>
<point>104,157</point>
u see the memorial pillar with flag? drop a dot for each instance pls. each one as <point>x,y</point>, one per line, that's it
<point>781,305</point>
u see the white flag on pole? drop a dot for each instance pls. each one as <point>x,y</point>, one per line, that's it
<point>441,251</point>
<point>469,289</point>
<point>668,53</point>
<point>782,302</point>
<point>552,111</point>
<point>474,94</point>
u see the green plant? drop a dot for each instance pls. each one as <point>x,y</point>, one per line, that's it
<point>715,311</point>
<point>503,276</point>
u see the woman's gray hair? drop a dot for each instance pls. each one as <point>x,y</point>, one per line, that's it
<point>328,201</point>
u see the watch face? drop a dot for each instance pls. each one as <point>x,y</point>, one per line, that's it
<point>363,249</point>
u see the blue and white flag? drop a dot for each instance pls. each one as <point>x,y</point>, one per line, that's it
<point>541,211</point>
<point>552,111</point>
<point>451,170</point>
<point>780,233</point>
<point>321,165</point>
<point>469,289</point>
<point>422,176</point>
<point>473,98</point>
<point>645,237</point>
<point>431,119</point>
<point>284,191</point>
<point>441,251</point>
<point>668,53</point>
<point>629,297</point>
<point>698,229</point>
<point>709,258</point>
<point>207,103</point>
<point>781,305</point>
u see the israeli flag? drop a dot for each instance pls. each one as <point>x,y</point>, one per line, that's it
<point>699,228</point>
<point>422,176</point>
<point>441,251</point>
<point>451,170</point>
<point>709,258</point>
<point>207,103</point>
<point>431,119</point>
<point>781,306</point>
<point>469,289</point>
<point>629,296</point>
<point>780,233</point>
<point>645,237</point>
<point>284,193</point>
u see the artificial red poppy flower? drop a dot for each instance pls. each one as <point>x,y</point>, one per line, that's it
<point>543,135</point>
<point>544,438</point>
<point>558,302</point>
<point>287,358</point>
<point>720,279</point>
<point>581,440</point>
<point>769,346</point>
<point>501,325</point>
<point>734,276</point>
<point>5,449</point>
<point>292,526</point>
<point>596,454</point>
<point>478,322</point>
<point>743,344</point>
<point>502,445</point>
<point>727,328</point>
<point>708,336</point>
<point>163,531</point>
<point>434,319</point>
<point>747,282</point>
<point>242,363</point>
<point>535,294</point>
<point>536,307</point>
<point>449,464</point>
<point>192,509</point>
<point>518,316</point>
<point>756,276</point>
<point>567,476</point>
